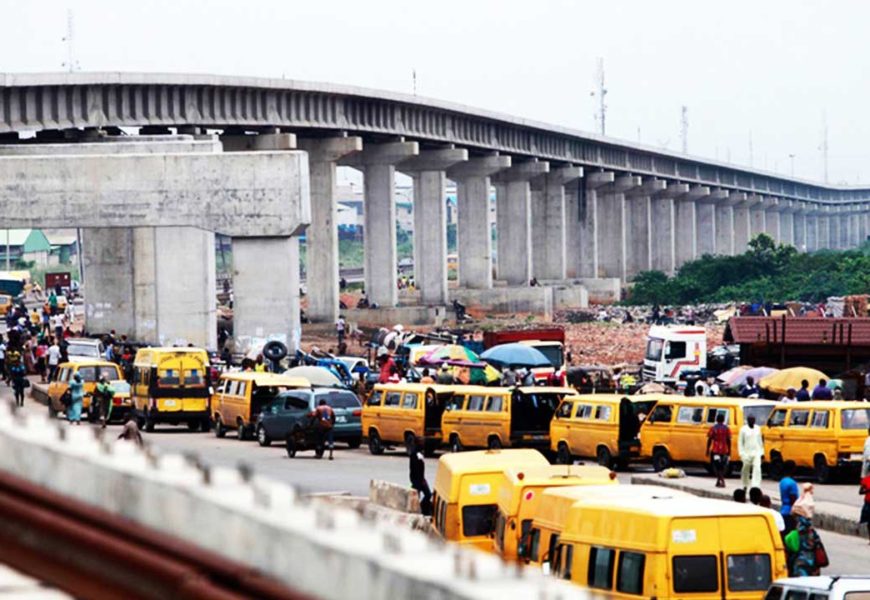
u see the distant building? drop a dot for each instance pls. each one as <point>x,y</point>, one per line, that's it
<point>27,245</point>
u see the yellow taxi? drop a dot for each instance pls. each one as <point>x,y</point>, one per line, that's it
<point>466,492</point>
<point>91,371</point>
<point>823,435</point>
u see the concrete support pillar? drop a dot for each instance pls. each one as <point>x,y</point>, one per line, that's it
<point>862,226</point>
<point>705,214</point>
<point>757,220</point>
<point>812,221</point>
<point>588,219</point>
<point>725,223</point>
<point>664,227</point>
<point>611,226</point>
<point>742,227</point>
<point>549,222</point>
<point>824,230</point>
<point>786,225</point>
<point>107,256</point>
<point>378,164</point>
<point>474,225</point>
<point>686,221</point>
<point>154,284</point>
<point>854,225</point>
<point>430,219</point>
<point>176,266</point>
<point>266,291</point>
<point>771,218</point>
<point>639,226</point>
<point>322,235</point>
<point>799,229</point>
<point>513,220</point>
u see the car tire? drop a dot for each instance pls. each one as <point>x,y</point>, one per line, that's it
<point>455,444</point>
<point>493,443</point>
<point>242,432</point>
<point>274,351</point>
<point>603,457</point>
<point>354,443</point>
<point>219,429</point>
<point>661,460</point>
<point>563,454</point>
<point>376,446</point>
<point>824,473</point>
<point>291,447</point>
<point>263,437</point>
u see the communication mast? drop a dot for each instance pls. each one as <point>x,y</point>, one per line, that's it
<point>684,128</point>
<point>71,63</point>
<point>824,146</point>
<point>600,92</point>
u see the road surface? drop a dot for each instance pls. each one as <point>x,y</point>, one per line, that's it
<point>352,470</point>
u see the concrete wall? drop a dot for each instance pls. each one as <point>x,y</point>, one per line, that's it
<point>537,300</point>
<point>315,548</point>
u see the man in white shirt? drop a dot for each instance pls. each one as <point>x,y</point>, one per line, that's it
<point>750,446</point>
<point>53,359</point>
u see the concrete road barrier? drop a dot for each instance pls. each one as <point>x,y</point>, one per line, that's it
<point>396,497</point>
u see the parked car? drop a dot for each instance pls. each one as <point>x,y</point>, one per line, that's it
<point>820,588</point>
<point>85,349</point>
<point>291,409</point>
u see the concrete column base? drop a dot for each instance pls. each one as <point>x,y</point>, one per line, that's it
<point>508,300</point>
<point>266,291</point>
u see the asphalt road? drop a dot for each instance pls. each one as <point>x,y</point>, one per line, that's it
<point>351,471</point>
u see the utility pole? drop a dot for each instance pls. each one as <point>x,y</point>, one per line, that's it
<point>684,128</point>
<point>71,63</point>
<point>824,146</point>
<point>600,92</point>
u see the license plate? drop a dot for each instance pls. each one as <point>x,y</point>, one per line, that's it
<point>341,419</point>
<point>169,403</point>
<point>536,437</point>
<point>856,457</point>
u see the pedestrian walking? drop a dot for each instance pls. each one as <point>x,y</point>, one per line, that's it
<point>822,391</point>
<point>719,448</point>
<point>340,329</point>
<point>788,495</point>
<point>76,398</point>
<point>325,422</point>
<point>865,462</point>
<point>53,359</point>
<point>417,468</point>
<point>865,510</point>
<point>41,356</point>
<point>19,381</point>
<point>104,394</point>
<point>52,302</point>
<point>750,446</point>
<point>810,555</point>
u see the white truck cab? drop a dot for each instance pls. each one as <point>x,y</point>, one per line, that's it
<point>673,349</point>
<point>846,587</point>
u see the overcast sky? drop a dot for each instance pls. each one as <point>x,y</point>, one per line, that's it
<point>772,68</point>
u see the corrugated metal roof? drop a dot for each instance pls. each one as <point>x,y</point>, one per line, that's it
<point>748,330</point>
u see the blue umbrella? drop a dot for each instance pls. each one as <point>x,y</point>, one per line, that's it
<point>515,355</point>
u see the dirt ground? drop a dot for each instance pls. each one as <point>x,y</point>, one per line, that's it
<point>596,343</point>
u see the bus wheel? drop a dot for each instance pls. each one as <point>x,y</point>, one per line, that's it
<point>604,457</point>
<point>563,454</point>
<point>824,473</point>
<point>242,431</point>
<point>375,445</point>
<point>219,429</point>
<point>493,443</point>
<point>661,460</point>
<point>455,444</point>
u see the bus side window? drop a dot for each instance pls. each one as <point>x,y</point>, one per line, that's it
<point>661,414</point>
<point>600,575</point>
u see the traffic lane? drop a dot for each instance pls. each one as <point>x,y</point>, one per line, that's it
<point>350,471</point>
